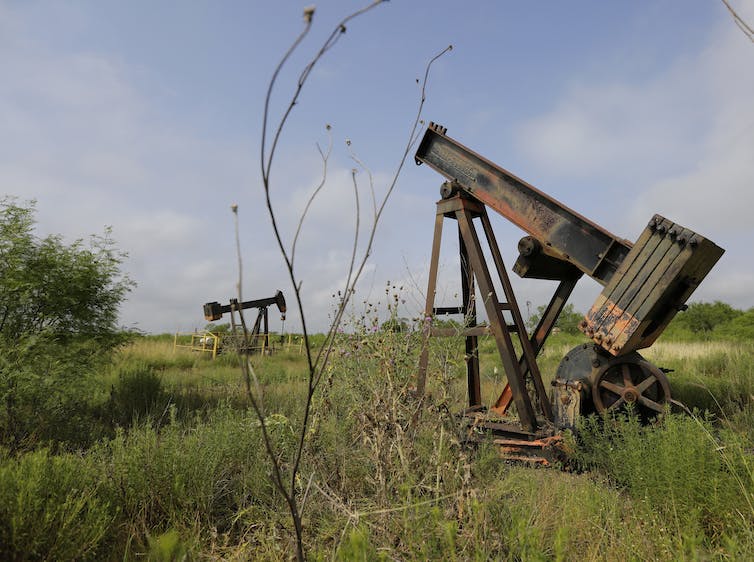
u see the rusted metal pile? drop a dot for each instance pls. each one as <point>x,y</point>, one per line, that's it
<point>644,285</point>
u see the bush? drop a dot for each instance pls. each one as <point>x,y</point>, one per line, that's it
<point>203,479</point>
<point>700,319</point>
<point>48,287</point>
<point>568,321</point>
<point>677,468</point>
<point>58,321</point>
<point>740,328</point>
<point>50,509</point>
<point>138,394</point>
<point>46,392</point>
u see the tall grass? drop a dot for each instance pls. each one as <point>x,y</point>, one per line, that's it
<point>385,476</point>
<point>710,376</point>
<point>692,477</point>
<point>52,508</point>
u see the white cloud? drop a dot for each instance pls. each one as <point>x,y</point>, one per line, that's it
<point>165,229</point>
<point>82,140</point>
<point>716,190</point>
<point>680,143</point>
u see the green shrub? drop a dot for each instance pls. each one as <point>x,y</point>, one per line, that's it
<point>46,395</point>
<point>203,478</point>
<point>50,508</point>
<point>59,309</point>
<point>679,469</point>
<point>138,394</point>
<point>740,328</point>
<point>357,546</point>
<point>700,320</point>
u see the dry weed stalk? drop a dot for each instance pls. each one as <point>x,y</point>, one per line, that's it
<point>288,486</point>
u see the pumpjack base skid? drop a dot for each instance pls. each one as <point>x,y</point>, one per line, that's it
<point>513,443</point>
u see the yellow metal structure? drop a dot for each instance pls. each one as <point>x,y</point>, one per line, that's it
<point>204,342</point>
<point>213,343</point>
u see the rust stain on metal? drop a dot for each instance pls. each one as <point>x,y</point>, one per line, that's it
<point>609,326</point>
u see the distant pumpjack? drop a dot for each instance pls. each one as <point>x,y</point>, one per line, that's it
<point>214,311</point>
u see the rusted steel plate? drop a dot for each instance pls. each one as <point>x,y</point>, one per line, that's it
<point>542,452</point>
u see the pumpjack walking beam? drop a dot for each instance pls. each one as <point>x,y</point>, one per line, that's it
<point>565,234</point>
<point>214,310</point>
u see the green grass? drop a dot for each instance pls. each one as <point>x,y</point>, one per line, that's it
<point>182,471</point>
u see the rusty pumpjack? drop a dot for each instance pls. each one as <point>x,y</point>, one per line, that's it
<point>254,340</point>
<point>644,285</point>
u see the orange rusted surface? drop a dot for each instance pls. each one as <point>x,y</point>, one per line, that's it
<point>542,452</point>
<point>609,326</point>
<point>504,401</point>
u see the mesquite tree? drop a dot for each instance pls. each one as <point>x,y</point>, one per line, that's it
<point>58,320</point>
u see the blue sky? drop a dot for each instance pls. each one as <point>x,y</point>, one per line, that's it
<point>146,116</point>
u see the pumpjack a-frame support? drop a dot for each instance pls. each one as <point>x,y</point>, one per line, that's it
<point>535,414</point>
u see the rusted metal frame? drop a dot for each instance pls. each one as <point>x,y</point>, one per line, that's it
<point>503,401</point>
<point>570,236</point>
<point>500,330</point>
<point>539,337</point>
<point>469,321</point>
<point>421,377</point>
<point>448,310</point>
<point>535,451</point>
<point>450,332</point>
<point>499,428</point>
<point>527,361</point>
<point>266,344</point>
<point>255,331</point>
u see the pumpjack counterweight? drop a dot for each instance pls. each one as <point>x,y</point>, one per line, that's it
<point>644,285</point>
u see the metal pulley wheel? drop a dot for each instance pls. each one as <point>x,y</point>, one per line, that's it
<point>631,380</point>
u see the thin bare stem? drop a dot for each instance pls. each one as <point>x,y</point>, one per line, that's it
<point>355,268</point>
<point>369,174</point>
<point>267,159</point>
<point>325,158</point>
<point>239,284</point>
<point>742,25</point>
<point>247,370</point>
<point>357,228</point>
<point>324,353</point>
<point>268,97</point>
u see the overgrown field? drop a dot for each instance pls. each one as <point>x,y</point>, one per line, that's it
<point>164,459</point>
